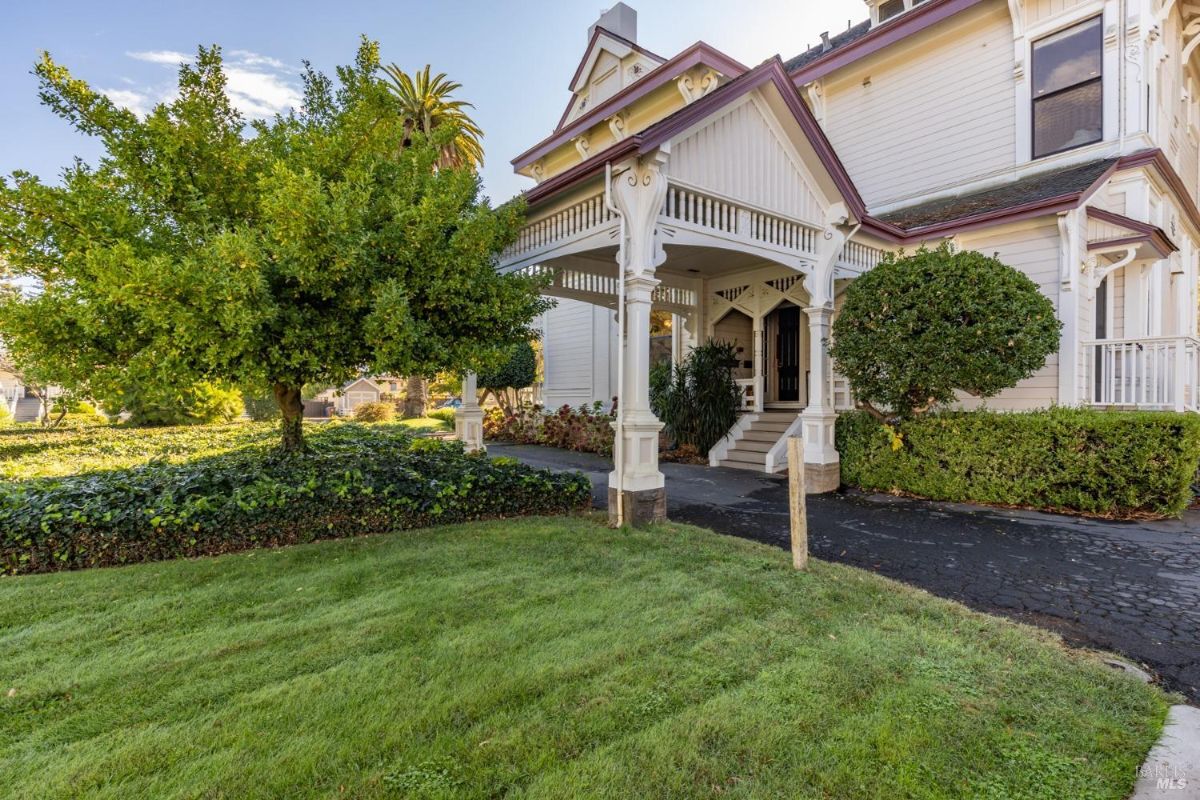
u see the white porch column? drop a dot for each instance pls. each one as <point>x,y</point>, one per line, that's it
<point>760,365</point>
<point>821,458</point>
<point>822,465</point>
<point>468,421</point>
<point>1072,232</point>
<point>636,488</point>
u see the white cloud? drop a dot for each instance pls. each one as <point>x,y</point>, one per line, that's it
<point>260,94</point>
<point>170,58</point>
<point>251,59</point>
<point>258,85</point>
<point>139,103</point>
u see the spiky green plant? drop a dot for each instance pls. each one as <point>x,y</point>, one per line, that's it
<point>424,102</point>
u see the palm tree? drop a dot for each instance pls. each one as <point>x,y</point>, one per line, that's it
<point>424,102</point>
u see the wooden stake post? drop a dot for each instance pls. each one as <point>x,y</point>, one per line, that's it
<point>797,503</point>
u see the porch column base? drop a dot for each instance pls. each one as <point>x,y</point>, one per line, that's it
<point>822,464</point>
<point>643,507</point>
<point>822,478</point>
<point>644,485</point>
<point>468,429</point>
<point>468,420</point>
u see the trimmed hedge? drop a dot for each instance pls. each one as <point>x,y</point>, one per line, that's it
<point>356,480</point>
<point>1105,463</point>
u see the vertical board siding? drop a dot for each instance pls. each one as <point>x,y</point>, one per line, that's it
<point>935,112</point>
<point>739,155</point>
<point>576,354</point>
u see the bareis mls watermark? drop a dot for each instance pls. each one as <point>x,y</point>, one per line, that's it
<point>1166,777</point>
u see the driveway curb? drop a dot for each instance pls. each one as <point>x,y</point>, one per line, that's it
<point>1172,769</point>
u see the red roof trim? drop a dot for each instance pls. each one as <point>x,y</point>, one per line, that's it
<point>699,53</point>
<point>587,51</point>
<point>1152,157</point>
<point>1153,234</point>
<point>1161,244</point>
<point>1037,208</point>
<point>592,43</point>
<point>768,72</point>
<point>1158,159</point>
<point>914,21</point>
<point>1120,219</point>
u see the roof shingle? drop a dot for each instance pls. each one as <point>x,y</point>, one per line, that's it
<point>840,40</point>
<point>1032,189</point>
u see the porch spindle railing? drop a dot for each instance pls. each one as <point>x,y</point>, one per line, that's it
<point>703,211</point>
<point>1158,372</point>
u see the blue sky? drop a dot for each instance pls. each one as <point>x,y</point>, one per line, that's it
<point>513,58</point>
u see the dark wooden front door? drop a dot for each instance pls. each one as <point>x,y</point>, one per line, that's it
<point>787,346</point>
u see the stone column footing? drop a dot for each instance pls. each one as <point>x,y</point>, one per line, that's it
<point>822,478</point>
<point>642,507</point>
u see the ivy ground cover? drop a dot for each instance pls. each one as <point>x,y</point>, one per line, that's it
<point>146,495</point>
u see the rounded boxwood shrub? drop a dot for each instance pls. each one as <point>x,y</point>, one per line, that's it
<point>917,328</point>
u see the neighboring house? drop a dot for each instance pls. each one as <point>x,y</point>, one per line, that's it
<point>20,401</point>
<point>1060,135</point>
<point>346,398</point>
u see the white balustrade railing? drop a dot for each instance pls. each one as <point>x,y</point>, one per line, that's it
<point>859,257</point>
<point>1158,372</point>
<point>695,209</point>
<point>586,216</point>
<point>751,390</point>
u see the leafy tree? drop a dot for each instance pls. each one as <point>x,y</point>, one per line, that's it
<point>517,371</point>
<point>917,328</point>
<point>423,102</point>
<point>315,248</point>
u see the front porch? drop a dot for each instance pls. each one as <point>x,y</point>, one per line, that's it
<point>725,269</point>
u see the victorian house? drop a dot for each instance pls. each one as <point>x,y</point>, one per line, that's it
<point>1060,135</point>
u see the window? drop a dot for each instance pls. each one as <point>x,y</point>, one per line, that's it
<point>890,8</point>
<point>1067,89</point>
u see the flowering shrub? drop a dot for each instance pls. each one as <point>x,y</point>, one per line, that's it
<point>587,429</point>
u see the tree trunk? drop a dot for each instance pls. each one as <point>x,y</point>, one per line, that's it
<point>291,406</point>
<point>414,397</point>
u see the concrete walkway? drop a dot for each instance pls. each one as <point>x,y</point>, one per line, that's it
<point>1133,588</point>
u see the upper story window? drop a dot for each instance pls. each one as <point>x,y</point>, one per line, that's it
<point>1068,97</point>
<point>887,9</point>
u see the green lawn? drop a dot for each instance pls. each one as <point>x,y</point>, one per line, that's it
<point>427,424</point>
<point>545,658</point>
<point>33,452</point>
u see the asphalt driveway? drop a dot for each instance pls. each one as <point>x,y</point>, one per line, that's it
<point>1133,588</point>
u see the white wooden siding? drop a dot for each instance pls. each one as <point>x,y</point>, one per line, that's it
<point>736,328</point>
<point>740,154</point>
<point>931,112</point>
<point>1034,250</point>
<point>1037,11</point>
<point>578,346</point>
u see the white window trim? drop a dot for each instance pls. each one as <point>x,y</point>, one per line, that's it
<point>1023,41</point>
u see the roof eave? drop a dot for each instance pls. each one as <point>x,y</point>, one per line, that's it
<point>885,35</point>
<point>699,53</point>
